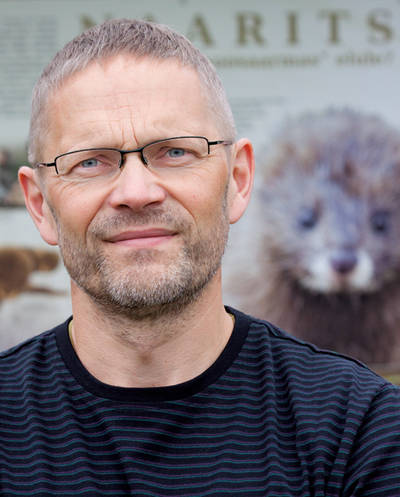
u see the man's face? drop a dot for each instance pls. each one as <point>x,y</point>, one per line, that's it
<point>137,243</point>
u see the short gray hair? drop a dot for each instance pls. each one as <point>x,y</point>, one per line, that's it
<point>124,36</point>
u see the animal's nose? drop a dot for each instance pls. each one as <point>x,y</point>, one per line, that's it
<point>344,261</point>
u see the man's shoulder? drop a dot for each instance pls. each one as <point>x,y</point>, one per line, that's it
<point>322,389</point>
<point>304,366</point>
<point>32,353</point>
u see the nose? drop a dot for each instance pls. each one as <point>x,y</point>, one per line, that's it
<point>344,261</point>
<point>136,186</point>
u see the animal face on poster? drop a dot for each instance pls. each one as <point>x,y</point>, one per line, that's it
<point>329,246</point>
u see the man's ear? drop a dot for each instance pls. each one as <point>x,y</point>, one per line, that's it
<point>241,180</point>
<point>36,204</point>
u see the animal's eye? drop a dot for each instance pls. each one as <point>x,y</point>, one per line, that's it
<point>307,217</point>
<point>380,221</point>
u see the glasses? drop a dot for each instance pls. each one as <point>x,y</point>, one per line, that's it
<point>164,155</point>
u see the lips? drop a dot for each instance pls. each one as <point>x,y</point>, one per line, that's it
<point>148,236</point>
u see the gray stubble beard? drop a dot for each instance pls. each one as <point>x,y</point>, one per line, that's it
<point>168,291</point>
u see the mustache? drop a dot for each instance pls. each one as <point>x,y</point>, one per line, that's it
<point>109,226</point>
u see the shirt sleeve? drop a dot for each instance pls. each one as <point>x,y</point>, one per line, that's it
<point>374,467</point>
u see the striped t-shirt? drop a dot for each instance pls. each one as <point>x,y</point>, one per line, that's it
<point>273,416</point>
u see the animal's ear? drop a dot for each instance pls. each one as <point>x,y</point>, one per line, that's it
<point>241,179</point>
<point>36,204</point>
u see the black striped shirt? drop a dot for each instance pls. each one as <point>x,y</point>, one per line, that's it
<point>271,417</point>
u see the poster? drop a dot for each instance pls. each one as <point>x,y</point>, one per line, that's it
<point>276,59</point>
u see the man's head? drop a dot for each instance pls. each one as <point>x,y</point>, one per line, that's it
<point>140,39</point>
<point>150,236</point>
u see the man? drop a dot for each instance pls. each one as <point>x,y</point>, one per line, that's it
<point>153,388</point>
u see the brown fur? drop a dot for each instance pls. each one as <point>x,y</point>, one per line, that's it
<point>331,191</point>
<point>16,266</point>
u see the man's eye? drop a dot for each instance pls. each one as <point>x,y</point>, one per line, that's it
<point>176,152</point>
<point>89,163</point>
<point>167,156</point>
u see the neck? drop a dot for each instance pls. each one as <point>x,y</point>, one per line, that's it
<point>164,350</point>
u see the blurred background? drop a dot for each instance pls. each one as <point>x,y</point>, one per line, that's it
<point>277,60</point>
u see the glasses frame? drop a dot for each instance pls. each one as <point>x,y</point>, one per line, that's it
<point>134,150</point>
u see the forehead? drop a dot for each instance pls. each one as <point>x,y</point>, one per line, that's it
<point>125,101</point>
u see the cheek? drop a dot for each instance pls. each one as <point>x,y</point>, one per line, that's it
<point>74,209</point>
<point>202,194</point>
<point>204,205</point>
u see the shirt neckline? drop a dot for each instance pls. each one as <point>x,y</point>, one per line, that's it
<point>155,394</point>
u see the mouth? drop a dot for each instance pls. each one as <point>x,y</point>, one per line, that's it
<point>142,238</point>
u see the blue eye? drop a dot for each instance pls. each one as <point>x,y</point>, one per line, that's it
<point>87,163</point>
<point>176,152</point>
<point>171,153</point>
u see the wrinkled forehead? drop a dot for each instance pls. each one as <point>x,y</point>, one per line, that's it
<point>120,96</point>
<point>124,74</point>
